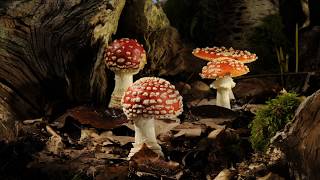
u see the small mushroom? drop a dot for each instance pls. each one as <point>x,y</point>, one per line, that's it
<point>125,57</point>
<point>223,71</point>
<point>147,99</point>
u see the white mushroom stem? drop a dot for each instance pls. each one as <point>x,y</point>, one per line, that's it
<point>224,87</point>
<point>122,82</point>
<point>145,134</point>
<point>231,95</point>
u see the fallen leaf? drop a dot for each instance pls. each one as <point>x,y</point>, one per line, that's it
<point>148,161</point>
<point>164,126</point>
<point>215,133</point>
<point>214,123</point>
<point>188,130</point>
<point>225,174</point>
<point>98,118</point>
<point>271,176</point>
<point>122,140</point>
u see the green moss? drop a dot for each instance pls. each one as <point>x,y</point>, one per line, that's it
<point>272,118</point>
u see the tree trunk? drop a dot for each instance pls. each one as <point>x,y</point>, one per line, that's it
<point>300,140</point>
<point>50,54</point>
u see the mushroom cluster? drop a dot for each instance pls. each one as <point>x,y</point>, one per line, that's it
<point>125,57</point>
<point>223,81</point>
<point>147,99</point>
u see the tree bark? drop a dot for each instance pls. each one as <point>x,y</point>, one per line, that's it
<point>51,54</point>
<point>300,140</point>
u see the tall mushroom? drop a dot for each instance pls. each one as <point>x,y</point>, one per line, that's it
<point>223,71</point>
<point>147,99</point>
<point>125,57</point>
<point>217,53</point>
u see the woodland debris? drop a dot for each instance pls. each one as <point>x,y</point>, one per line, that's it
<point>216,123</point>
<point>97,118</point>
<point>31,121</point>
<point>148,161</point>
<point>225,174</point>
<point>188,130</point>
<point>215,133</point>
<point>54,144</point>
<point>271,176</point>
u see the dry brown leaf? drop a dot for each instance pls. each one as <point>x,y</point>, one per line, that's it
<point>122,140</point>
<point>215,133</point>
<point>224,175</point>
<point>213,123</point>
<point>98,118</point>
<point>189,130</point>
<point>164,126</point>
<point>148,161</point>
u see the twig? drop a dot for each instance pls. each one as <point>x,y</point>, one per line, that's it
<point>51,131</point>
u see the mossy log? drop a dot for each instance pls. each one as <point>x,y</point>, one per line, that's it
<point>300,140</point>
<point>50,54</point>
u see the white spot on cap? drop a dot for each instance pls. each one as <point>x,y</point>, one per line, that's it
<point>120,60</point>
<point>146,102</point>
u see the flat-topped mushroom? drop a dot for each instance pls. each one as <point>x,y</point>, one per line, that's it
<point>125,57</point>
<point>147,99</point>
<point>214,53</point>
<point>223,71</point>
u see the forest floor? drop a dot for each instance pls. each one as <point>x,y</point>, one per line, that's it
<point>209,142</point>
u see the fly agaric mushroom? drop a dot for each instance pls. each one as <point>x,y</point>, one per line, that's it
<point>223,71</point>
<point>147,99</point>
<point>125,57</point>
<point>217,53</point>
<point>211,54</point>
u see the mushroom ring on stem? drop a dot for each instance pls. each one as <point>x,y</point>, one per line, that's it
<point>217,53</point>
<point>223,71</point>
<point>146,100</point>
<point>125,57</point>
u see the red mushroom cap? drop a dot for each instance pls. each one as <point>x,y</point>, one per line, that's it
<point>152,97</point>
<point>224,67</point>
<point>216,53</point>
<point>125,55</point>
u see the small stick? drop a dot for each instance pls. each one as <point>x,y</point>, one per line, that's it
<point>51,131</point>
